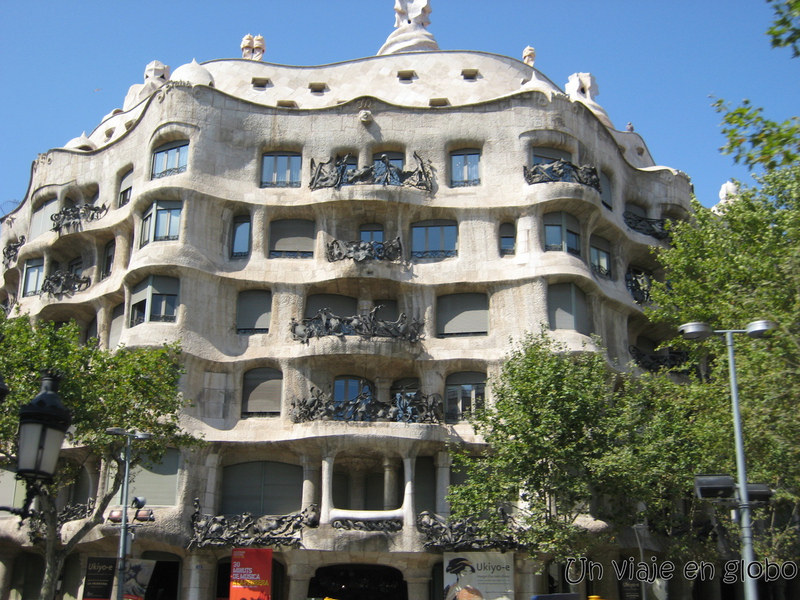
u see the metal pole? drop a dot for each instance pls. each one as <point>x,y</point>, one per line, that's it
<point>748,556</point>
<point>123,535</point>
<point>636,529</point>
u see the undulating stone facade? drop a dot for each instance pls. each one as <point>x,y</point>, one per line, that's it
<point>343,252</point>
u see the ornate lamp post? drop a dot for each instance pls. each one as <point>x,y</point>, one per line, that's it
<point>123,532</point>
<point>756,329</point>
<point>43,424</point>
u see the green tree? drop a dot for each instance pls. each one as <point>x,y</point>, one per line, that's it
<point>567,438</point>
<point>134,388</point>
<point>728,266</point>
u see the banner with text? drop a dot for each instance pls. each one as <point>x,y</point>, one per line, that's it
<point>486,575</point>
<point>251,574</point>
<point>137,577</point>
<point>99,578</point>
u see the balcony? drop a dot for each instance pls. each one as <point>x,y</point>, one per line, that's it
<point>655,362</point>
<point>338,171</point>
<point>71,217</point>
<point>639,283</point>
<point>64,283</point>
<point>362,251</point>
<point>367,326</point>
<point>653,227</point>
<point>563,171</point>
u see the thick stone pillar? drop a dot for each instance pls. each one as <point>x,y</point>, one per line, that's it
<point>199,577</point>
<point>299,576</point>
<point>418,587</point>
<point>326,502</point>
<point>409,510</point>
<point>443,463</point>
<point>357,483</point>
<point>526,577</point>
<point>310,481</point>
<point>6,574</point>
<point>383,389</point>
<point>390,482</point>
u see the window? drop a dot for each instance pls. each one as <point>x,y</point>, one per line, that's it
<point>404,388</point>
<point>562,232</point>
<point>387,167</point>
<point>156,482</point>
<point>117,324</point>
<point>108,259</point>
<point>254,311</point>
<point>280,169</point>
<point>347,388</point>
<point>462,314</point>
<point>161,223</point>
<point>155,298</point>
<point>125,189</point>
<point>464,168</point>
<point>262,488</point>
<point>540,156</point>
<point>240,238</point>
<point>41,220</point>
<point>464,392</point>
<point>75,266</point>
<point>372,232</point>
<point>350,166</point>
<point>291,238</point>
<point>170,159</point>
<point>341,306</point>
<point>567,308</point>
<point>508,239</point>
<point>600,255</point>
<point>434,239</point>
<point>262,392</point>
<point>34,277</point>
<point>606,191</point>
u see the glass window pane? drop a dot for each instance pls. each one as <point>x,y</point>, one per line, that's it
<point>434,238</point>
<point>458,167</point>
<point>241,238</point>
<point>473,161</point>
<point>294,166</point>
<point>281,168</point>
<point>418,239</point>
<point>449,234</point>
<point>552,237</point>
<point>573,243</point>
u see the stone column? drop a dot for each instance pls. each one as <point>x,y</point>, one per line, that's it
<point>383,389</point>
<point>199,576</point>
<point>310,481</point>
<point>409,510</point>
<point>418,587</point>
<point>357,483</point>
<point>443,463</point>
<point>390,482</point>
<point>326,502</point>
<point>6,574</point>
<point>299,576</point>
<point>526,578</point>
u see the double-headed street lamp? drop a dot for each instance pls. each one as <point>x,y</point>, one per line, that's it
<point>43,424</point>
<point>123,532</point>
<point>756,329</point>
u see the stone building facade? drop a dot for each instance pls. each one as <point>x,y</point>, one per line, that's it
<point>343,253</point>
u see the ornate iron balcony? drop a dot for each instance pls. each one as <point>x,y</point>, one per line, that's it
<point>64,283</point>
<point>411,407</point>
<point>382,525</point>
<point>361,251</point>
<point>464,535</point>
<point>168,172</point>
<point>72,216</point>
<point>367,326</point>
<point>638,283</point>
<point>561,170</point>
<point>601,270</point>
<point>247,530</point>
<point>656,362</point>
<point>335,172</point>
<point>11,251</point>
<point>652,227</point>
<point>291,254</point>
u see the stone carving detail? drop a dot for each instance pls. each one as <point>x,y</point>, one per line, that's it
<point>384,525</point>
<point>11,251</point>
<point>652,227</point>
<point>638,283</point>
<point>561,170</point>
<point>71,217</point>
<point>247,530</point>
<point>64,283</point>
<point>404,407</point>
<point>656,362</point>
<point>367,326</point>
<point>334,173</point>
<point>361,251</point>
<point>464,535</point>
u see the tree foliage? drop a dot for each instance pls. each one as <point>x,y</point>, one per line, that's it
<point>570,441</point>
<point>785,29</point>
<point>133,388</point>
<point>729,266</point>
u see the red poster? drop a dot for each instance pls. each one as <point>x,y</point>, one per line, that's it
<point>251,574</point>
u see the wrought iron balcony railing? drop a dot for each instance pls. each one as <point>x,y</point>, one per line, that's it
<point>404,407</point>
<point>64,283</point>
<point>639,283</point>
<point>361,251</point>
<point>652,227</point>
<point>367,326</point>
<point>464,535</point>
<point>169,172</point>
<point>656,362</point>
<point>71,217</point>
<point>247,530</point>
<point>336,172</point>
<point>11,251</point>
<point>561,170</point>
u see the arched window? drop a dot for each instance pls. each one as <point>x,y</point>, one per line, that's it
<point>508,239</point>
<point>542,155</point>
<point>387,167</point>
<point>562,232</point>
<point>462,315</point>
<point>262,392</point>
<point>465,168</point>
<point>291,238</point>
<point>464,392</point>
<point>161,222</point>
<point>240,236</point>
<point>600,255</point>
<point>436,238</point>
<point>155,298</point>
<point>371,232</point>
<point>280,169</point>
<point>253,311</point>
<point>567,308</point>
<point>170,159</point>
<point>125,189</point>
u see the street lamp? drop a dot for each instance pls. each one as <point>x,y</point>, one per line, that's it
<point>756,329</point>
<point>123,533</point>
<point>43,424</point>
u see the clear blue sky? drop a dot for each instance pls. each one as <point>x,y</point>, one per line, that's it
<point>64,65</point>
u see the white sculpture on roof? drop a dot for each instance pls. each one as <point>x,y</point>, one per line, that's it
<point>529,55</point>
<point>247,47</point>
<point>156,74</point>
<point>259,46</point>
<point>253,47</point>
<point>582,87</point>
<point>410,35</point>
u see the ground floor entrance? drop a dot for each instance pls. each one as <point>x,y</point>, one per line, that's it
<point>358,582</point>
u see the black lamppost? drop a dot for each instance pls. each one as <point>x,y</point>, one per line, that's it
<point>43,424</point>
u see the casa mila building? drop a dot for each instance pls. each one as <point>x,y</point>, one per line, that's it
<point>343,253</point>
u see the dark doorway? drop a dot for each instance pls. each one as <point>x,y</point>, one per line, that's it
<point>358,582</point>
<point>166,578</point>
